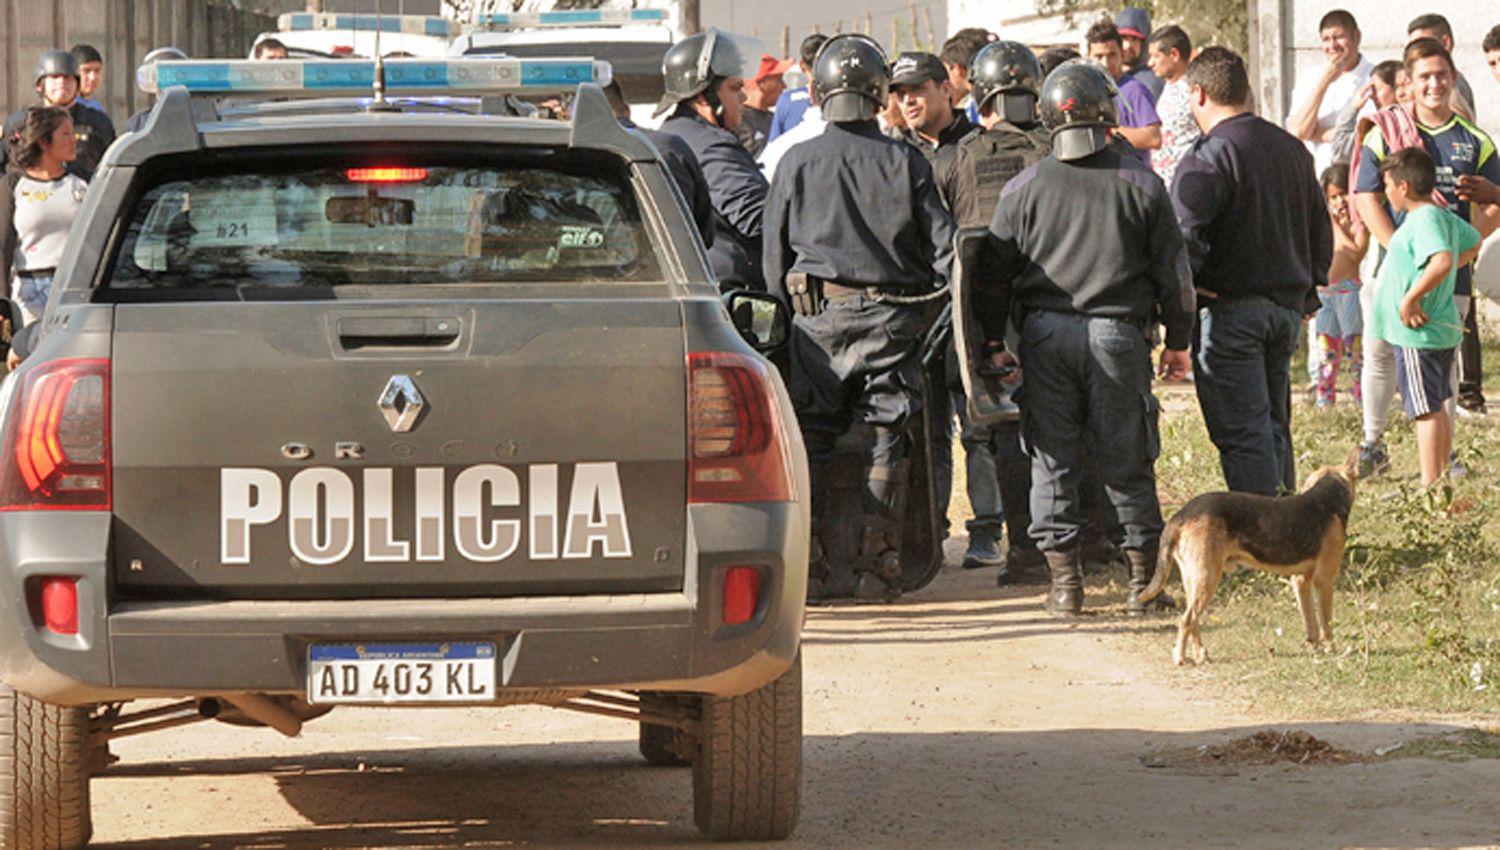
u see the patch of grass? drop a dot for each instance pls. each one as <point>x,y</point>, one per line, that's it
<point>1457,746</point>
<point>1417,609</point>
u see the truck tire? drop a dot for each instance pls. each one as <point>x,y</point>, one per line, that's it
<point>44,777</point>
<point>747,778</point>
<point>662,746</point>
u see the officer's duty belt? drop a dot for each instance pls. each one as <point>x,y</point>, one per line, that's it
<point>809,294</point>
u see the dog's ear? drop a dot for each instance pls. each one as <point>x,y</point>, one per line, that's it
<point>1351,464</point>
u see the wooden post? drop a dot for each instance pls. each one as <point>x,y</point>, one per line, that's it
<point>689,18</point>
<point>895,35</point>
<point>869,24</point>
<point>916,38</point>
<point>932,40</point>
<point>838,26</point>
<point>786,41</point>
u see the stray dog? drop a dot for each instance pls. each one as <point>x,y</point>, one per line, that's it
<point>1301,537</point>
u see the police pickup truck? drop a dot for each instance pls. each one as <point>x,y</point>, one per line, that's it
<point>389,401</point>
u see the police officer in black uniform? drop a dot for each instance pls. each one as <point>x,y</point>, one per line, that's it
<point>1006,80</point>
<point>1087,249</point>
<point>854,223</point>
<point>704,95</point>
<point>57,79</point>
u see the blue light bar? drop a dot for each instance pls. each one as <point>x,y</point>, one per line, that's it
<point>407,24</point>
<point>326,77</point>
<point>573,18</point>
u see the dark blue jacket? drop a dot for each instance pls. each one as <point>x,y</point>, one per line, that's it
<point>686,173</point>
<point>1094,236</point>
<point>857,208</point>
<point>1253,214</point>
<point>738,191</point>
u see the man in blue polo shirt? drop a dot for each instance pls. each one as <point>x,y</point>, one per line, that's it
<point>1459,149</point>
<point>793,103</point>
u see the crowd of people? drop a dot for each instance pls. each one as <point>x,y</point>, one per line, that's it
<point>50,151</point>
<point>1152,206</point>
<point>1131,198</point>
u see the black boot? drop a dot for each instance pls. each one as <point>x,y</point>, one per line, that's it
<point>1023,566</point>
<point>1066,597</point>
<point>1142,568</point>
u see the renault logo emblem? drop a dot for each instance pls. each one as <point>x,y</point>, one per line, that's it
<point>401,403</point>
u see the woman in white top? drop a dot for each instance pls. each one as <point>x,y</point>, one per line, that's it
<point>38,202</point>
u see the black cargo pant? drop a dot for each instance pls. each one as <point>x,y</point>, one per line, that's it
<point>1089,376</point>
<point>856,363</point>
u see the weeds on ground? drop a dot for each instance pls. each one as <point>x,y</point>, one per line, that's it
<point>1417,608</point>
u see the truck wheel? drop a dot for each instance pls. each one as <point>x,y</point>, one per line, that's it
<point>747,779</point>
<point>663,746</point>
<point>44,777</point>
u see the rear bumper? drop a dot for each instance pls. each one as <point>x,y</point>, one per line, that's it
<point>661,641</point>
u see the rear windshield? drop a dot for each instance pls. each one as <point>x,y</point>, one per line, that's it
<point>382,224</point>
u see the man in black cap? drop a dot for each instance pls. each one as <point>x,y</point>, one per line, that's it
<point>1085,245</point>
<point>920,82</point>
<point>924,94</point>
<point>57,82</point>
<point>704,94</point>
<point>854,229</point>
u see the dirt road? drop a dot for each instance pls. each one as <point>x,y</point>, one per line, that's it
<point>959,718</point>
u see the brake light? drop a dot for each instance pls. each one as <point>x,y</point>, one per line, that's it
<point>741,594</point>
<point>59,596</point>
<point>57,430</point>
<point>738,447</point>
<point>385,175</point>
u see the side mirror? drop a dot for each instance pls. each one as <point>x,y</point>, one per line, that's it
<point>761,319</point>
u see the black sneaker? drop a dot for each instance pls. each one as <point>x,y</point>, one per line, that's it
<point>983,551</point>
<point>1373,460</point>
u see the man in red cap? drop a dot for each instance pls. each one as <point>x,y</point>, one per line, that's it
<point>1134,25</point>
<point>760,103</point>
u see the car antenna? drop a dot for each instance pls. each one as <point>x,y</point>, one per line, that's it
<point>379,104</point>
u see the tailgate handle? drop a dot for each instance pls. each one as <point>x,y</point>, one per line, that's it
<point>393,332</point>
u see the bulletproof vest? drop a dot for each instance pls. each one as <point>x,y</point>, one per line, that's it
<point>987,161</point>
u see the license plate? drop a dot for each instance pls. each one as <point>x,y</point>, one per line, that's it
<point>400,672</point>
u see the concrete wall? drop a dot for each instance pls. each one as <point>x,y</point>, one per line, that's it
<point>770,19</point>
<point>124,31</point>
<point>1288,40</point>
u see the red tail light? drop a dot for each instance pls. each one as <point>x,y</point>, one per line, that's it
<point>57,433</point>
<point>59,596</point>
<point>737,448</point>
<point>741,594</point>
<point>385,175</point>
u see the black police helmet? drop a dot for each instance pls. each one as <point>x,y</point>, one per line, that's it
<point>55,62</point>
<point>1078,106</point>
<point>1010,71</point>
<point>850,78</point>
<point>693,65</point>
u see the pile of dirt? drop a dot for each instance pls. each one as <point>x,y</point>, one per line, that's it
<point>1266,747</point>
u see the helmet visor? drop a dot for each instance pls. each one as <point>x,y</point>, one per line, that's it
<point>733,54</point>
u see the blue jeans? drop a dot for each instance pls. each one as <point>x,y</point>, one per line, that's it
<point>1089,378</point>
<point>983,483</point>
<point>1242,360</point>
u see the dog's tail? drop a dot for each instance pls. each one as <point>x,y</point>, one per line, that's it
<point>1166,557</point>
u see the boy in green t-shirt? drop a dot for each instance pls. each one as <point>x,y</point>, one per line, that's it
<point>1414,308</point>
